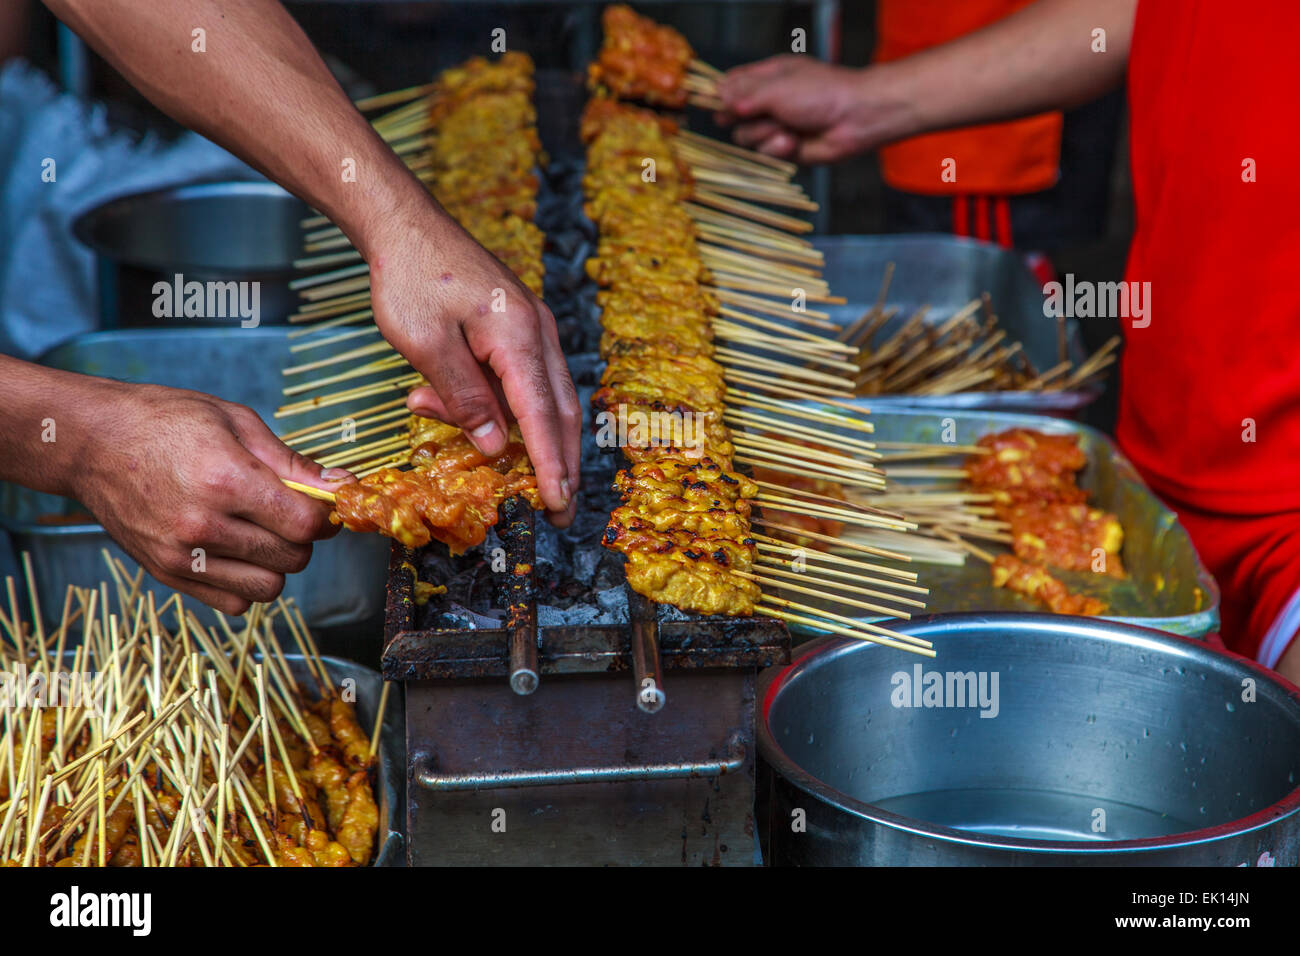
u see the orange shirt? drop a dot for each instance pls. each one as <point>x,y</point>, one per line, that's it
<point>998,159</point>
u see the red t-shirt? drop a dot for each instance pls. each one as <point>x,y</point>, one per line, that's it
<point>1214,91</point>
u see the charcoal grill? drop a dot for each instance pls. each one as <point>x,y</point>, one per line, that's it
<point>610,738</point>
<point>576,745</point>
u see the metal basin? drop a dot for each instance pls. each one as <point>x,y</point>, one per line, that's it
<point>390,775</point>
<point>1105,744</point>
<point>210,232</point>
<point>344,583</point>
<point>945,273</point>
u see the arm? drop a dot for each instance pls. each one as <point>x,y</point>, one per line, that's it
<point>1037,59</point>
<point>261,91</point>
<point>166,471</point>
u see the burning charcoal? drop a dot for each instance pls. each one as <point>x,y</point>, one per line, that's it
<point>585,563</point>
<point>578,614</point>
<point>614,601</point>
<point>669,613</point>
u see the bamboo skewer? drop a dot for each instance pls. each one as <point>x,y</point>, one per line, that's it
<point>774,331</point>
<point>185,741</point>
<point>823,578</point>
<point>744,360</point>
<point>362,416</point>
<point>744,398</point>
<point>748,419</point>
<point>779,501</point>
<point>705,102</point>
<point>834,598</point>
<point>840,629</point>
<point>809,317</point>
<point>905,579</point>
<point>309,490</point>
<point>333,339</point>
<point>716,146</point>
<point>773,462</point>
<point>807,391</point>
<point>393,98</point>
<point>808,352</point>
<point>807,455</point>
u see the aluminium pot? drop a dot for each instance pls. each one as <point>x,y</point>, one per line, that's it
<point>1043,741</point>
<point>209,233</point>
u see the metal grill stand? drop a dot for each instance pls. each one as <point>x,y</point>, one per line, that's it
<point>584,766</point>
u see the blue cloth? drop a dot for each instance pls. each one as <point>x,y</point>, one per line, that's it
<point>47,278</point>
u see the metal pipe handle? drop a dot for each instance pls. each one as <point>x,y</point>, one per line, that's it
<point>647,668</point>
<point>521,619</point>
<point>425,774</point>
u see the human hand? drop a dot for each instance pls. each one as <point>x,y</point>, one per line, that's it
<point>189,486</point>
<point>487,345</point>
<point>799,108</point>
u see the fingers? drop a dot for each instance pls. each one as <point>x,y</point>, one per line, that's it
<point>245,541</point>
<point>818,149</point>
<point>768,137</point>
<point>251,488</point>
<point>460,394</point>
<point>745,89</point>
<point>204,535</point>
<point>227,585</point>
<point>246,581</point>
<point>214,597</point>
<point>570,413</point>
<point>515,353</point>
<point>227,563</point>
<point>755,131</point>
<point>782,144</point>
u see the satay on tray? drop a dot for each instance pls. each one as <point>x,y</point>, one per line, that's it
<point>1031,477</point>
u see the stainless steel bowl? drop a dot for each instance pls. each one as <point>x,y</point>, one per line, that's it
<point>1106,744</point>
<point>209,232</point>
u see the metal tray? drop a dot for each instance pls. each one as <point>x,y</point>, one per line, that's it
<point>344,582</point>
<point>1167,587</point>
<point>391,781</point>
<point>945,273</point>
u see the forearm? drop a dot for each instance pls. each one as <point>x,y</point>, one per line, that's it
<point>260,90</point>
<point>44,410</point>
<point>1040,58</point>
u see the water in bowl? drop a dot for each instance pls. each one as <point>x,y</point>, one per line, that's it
<point>1035,815</point>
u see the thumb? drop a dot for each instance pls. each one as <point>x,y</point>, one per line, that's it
<point>284,461</point>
